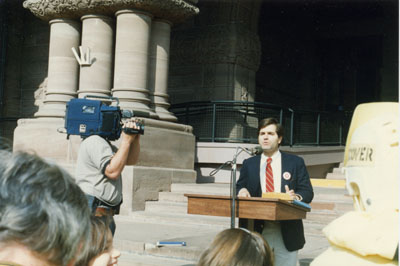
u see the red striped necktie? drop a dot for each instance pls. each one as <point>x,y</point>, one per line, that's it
<point>269,177</point>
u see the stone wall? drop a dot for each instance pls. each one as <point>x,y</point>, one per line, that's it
<point>310,57</point>
<point>214,56</point>
<point>27,48</point>
<point>34,60</point>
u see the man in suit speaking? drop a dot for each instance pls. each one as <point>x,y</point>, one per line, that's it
<point>276,171</point>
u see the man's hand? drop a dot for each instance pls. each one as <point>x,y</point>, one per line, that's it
<point>292,194</point>
<point>127,154</point>
<point>133,141</point>
<point>129,137</point>
<point>244,193</point>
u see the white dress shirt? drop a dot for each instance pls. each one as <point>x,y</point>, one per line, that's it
<point>276,171</point>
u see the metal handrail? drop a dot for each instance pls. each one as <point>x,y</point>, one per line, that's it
<point>216,120</point>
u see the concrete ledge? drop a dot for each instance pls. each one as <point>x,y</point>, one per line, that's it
<point>215,152</point>
<point>164,144</point>
<point>211,155</point>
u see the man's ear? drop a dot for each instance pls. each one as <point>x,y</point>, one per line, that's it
<point>280,140</point>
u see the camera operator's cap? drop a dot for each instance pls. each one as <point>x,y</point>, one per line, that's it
<point>372,157</point>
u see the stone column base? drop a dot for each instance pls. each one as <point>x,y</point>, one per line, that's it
<point>167,152</point>
<point>40,135</point>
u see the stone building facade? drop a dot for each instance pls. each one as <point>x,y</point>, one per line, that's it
<point>315,55</point>
<point>101,48</point>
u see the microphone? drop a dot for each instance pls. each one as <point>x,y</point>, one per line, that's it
<point>255,151</point>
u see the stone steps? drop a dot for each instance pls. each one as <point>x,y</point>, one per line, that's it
<point>170,217</point>
<point>172,197</point>
<point>337,173</point>
<point>179,209</point>
<point>337,170</point>
<point>335,176</point>
<point>167,220</point>
<point>328,204</point>
<point>206,188</point>
<point>160,206</point>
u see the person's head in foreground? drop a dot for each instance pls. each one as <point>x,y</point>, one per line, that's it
<point>237,247</point>
<point>44,217</point>
<point>101,251</point>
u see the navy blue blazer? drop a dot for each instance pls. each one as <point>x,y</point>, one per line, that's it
<point>299,181</point>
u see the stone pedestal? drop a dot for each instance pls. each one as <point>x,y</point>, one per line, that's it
<point>158,69</point>
<point>167,152</point>
<point>98,36</point>
<point>41,136</point>
<point>131,60</point>
<point>63,68</point>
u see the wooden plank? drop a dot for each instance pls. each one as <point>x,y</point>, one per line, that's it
<point>209,206</point>
<point>250,208</point>
<point>257,209</point>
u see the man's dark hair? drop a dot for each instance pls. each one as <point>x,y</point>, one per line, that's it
<point>42,208</point>
<point>271,121</point>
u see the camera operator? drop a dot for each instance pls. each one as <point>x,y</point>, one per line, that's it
<point>99,167</point>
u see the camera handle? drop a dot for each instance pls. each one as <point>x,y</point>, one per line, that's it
<point>132,131</point>
<point>103,97</point>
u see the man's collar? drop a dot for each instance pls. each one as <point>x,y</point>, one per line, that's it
<point>275,156</point>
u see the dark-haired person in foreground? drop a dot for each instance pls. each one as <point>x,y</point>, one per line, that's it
<point>44,218</point>
<point>276,171</point>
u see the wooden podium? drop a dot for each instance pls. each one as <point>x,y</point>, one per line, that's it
<point>247,208</point>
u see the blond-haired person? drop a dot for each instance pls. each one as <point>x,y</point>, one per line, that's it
<point>237,247</point>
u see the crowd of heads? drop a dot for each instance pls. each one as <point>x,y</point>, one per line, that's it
<point>43,211</point>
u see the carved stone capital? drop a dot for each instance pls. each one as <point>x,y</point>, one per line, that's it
<point>172,10</point>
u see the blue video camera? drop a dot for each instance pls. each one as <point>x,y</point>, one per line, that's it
<point>87,117</point>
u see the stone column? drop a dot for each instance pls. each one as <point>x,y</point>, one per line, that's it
<point>131,60</point>
<point>158,69</point>
<point>62,81</point>
<point>97,36</point>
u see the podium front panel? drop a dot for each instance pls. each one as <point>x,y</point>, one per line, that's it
<point>250,208</point>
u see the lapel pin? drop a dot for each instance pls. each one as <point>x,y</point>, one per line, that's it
<point>286,175</point>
